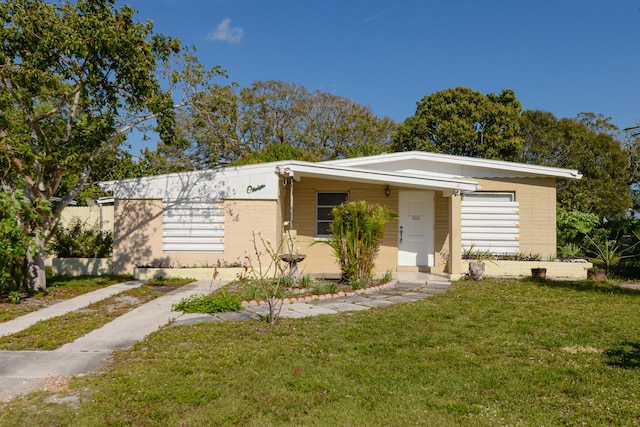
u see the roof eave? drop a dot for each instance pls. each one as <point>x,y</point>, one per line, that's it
<point>524,168</point>
<point>298,170</point>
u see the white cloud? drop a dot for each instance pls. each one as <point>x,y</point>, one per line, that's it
<point>225,33</point>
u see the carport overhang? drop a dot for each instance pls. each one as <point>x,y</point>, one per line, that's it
<point>449,184</point>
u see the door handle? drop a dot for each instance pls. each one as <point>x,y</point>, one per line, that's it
<point>401,234</point>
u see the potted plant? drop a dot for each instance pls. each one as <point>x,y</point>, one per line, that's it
<point>596,274</point>
<point>539,273</point>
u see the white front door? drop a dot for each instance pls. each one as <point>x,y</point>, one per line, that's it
<point>415,228</point>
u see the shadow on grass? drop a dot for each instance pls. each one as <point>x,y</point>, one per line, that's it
<point>626,356</point>
<point>586,286</point>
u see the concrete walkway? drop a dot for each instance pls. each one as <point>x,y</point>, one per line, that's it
<point>23,371</point>
<point>410,287</point>
<point>23,322</point>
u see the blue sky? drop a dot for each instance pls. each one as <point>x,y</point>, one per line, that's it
<point>561,56</point>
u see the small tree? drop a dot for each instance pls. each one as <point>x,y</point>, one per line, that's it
<point>17,218</point>
<point>356,233</point>
<point>270,273</point>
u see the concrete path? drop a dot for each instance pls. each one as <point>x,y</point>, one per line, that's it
<point>21,323</point>
<point>410,287</point>
<point>23,371</point>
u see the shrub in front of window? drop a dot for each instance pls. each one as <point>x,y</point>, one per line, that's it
<point>356,234</point>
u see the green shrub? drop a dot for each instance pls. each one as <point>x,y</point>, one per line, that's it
<point>77,241</point>
<point>358,284</point>
<point>218,303</point>
<point>572,226</point>
<point>387,277</point>
<point>14,297</point>
<point>304,281</point>
<point>356,233</point>
<point>18,219</point>
<point>570,251</point>
<point>324,288</point>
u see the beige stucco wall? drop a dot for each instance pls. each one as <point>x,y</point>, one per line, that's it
<point>138,231</point>
<point>89,216</point>
<point>536,196</point>
<point>241,219</point>
<point>442,231</point>
<point>320,260</point>
<point>138,234</point>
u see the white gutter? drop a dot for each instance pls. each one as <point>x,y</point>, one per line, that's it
<point>458,160</point>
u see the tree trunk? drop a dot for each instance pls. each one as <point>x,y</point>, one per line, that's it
<point>35,267</point>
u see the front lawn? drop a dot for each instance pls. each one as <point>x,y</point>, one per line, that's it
<point>492,352</point>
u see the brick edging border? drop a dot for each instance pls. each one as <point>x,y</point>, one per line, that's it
<point>310,298</point>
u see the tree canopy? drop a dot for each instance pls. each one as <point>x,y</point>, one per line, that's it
<point>229,125</point>
<point>588,143</point>
<point>76,77</point>
<point>464,122</point>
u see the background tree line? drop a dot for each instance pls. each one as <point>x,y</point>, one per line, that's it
<point>276,120</point>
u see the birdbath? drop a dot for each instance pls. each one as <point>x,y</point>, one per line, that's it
<point>292,260</point>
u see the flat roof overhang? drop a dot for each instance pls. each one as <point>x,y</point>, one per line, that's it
<point>448,184</point>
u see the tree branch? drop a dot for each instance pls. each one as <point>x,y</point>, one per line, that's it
<point>75,93</point>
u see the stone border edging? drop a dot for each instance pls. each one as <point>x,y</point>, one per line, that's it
<point>311,298</point>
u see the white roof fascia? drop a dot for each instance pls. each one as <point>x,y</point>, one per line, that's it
<point>422,180</point>
<point>225,171</point>
<point>462,161</point>
<point>210,184</point>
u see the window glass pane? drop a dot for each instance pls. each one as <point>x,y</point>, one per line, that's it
<point>331,199</point>
<point>324,214</point>
<point>489,197</point>
<point>323,229</point>
<point>326,203</point>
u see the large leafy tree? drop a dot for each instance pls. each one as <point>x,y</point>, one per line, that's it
<point>75,78</point>
<point>632,148</point>
<point>461,121</point>
<point>229,125</point>
<point>588,143</point>
<point>114,165</point>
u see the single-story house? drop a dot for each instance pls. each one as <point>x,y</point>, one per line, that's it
<point>446,204</point>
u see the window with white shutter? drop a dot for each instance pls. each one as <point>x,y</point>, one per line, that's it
<point>490,222</point>
<point>192,226</point>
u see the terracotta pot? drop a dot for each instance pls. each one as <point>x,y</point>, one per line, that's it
<point>539,273</point>
<point>596,275</point>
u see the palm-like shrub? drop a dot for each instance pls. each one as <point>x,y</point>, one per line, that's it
<point>357,230</point>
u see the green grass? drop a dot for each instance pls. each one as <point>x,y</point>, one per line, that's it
<point>251,289</point>
<point>58,288</point>
<point>492,352</point>
<point>57,331</point>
